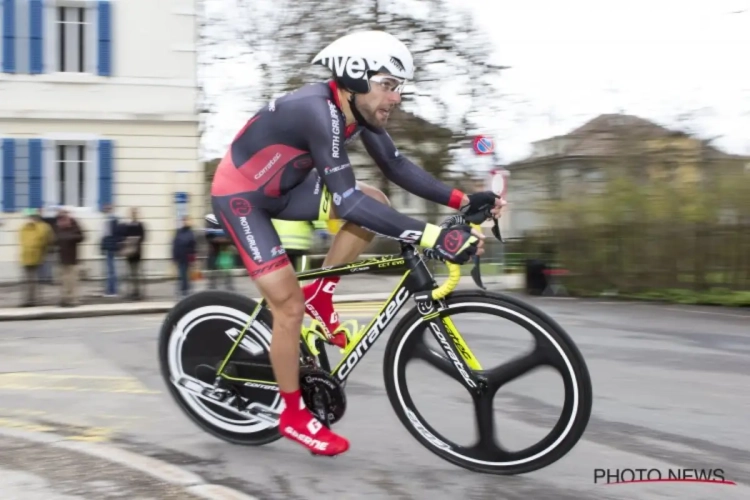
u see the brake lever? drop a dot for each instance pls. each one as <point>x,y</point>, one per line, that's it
<point>476,272</point>
<point>496,232</point>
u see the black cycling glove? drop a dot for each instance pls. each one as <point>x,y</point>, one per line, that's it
<point>479,206</point>
<point>456,244</point>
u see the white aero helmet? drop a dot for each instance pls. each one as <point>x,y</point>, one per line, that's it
<point>355,57</point>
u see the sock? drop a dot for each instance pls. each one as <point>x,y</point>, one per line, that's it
<point>319,302</point>
<point>293,401</point>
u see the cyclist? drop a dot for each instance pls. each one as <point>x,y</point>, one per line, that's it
<point>289,162</point>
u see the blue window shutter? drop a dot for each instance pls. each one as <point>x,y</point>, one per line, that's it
<point>9,36</point>
<point>35,173</point>
<point>106,174</point>
<point>104,65</point>
<point>36,35</point>
<point>9,175</point>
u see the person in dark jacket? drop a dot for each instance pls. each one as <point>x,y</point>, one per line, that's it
<point>134,234</point>
<point>110,246</point>
<point>69,235</point>
<point>183,255</point>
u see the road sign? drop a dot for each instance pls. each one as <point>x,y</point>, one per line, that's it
<point>484,145</point>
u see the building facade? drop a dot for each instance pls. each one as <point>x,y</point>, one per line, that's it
<point>98,108</point>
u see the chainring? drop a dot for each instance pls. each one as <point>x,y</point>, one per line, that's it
<point>318,385</point>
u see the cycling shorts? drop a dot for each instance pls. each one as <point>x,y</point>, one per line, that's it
<point>246,218</point>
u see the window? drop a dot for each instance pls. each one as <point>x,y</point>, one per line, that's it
<point>72,171</point>
<point>72,36</point>
<point>56,36</point>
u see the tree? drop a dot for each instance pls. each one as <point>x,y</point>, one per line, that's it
<point>447,45</point>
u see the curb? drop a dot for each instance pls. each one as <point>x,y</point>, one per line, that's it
<point>158,469</point>
<point>133,308</point>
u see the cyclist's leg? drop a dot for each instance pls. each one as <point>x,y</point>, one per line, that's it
<point>252,231</point>
<point>312,201</point>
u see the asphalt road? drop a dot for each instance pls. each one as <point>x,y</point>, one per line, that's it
<point>670,386</point>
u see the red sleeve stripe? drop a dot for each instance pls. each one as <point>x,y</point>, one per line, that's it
<point>455,199</point>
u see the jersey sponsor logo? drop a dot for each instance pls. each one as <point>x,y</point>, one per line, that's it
<point>277,250</point>
<point>336,199</point>
<point>332,170</point>
<point>335,129</point>
<point>240,207</point>
<point>268,166</point>
<point>410,236</point>
<point>353,67</point>
<point>318,182</point>
<point>348,193</point>
<point>305,162</point>
<point>250,240</point>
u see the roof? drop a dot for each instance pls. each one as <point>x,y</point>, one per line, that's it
<point>603,136</point>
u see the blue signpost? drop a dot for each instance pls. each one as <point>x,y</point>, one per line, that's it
<point>181,206</point>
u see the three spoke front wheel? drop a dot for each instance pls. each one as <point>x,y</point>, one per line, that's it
<point>553,348</point>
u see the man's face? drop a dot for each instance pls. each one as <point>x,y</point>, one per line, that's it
<point>376,105</point>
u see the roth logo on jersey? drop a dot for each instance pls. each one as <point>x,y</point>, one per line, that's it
<point>353,67</point>
<point>250,239</point>
<point>335,129</point>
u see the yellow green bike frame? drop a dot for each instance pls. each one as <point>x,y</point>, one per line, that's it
<point>417,282</point>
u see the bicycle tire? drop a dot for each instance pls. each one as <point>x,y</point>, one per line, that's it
<point>394,374</point>
<point>211,303</point>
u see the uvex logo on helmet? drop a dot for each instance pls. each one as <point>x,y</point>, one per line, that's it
<point>353,67</point>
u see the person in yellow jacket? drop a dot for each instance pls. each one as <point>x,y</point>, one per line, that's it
<point>35,237</point>
<point>297,240</point>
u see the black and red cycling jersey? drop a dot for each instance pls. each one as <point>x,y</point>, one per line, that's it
<point>289,162</point>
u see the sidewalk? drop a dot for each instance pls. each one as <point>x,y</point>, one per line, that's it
<point>161,296</point>
<point>43,466</point>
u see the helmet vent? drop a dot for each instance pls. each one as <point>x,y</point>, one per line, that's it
<point>397,63</point>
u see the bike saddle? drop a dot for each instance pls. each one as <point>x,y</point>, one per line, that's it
<point>213,222</point>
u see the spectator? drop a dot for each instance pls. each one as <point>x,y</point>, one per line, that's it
<point>35,237</point>
<point>183,255</point>
<point>135,234</point>
<point>110,245</point>
<point>220,258</point>
<point>47,268</point>
<point>69,235</point>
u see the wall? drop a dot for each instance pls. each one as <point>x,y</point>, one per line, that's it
<point>145,102</point>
